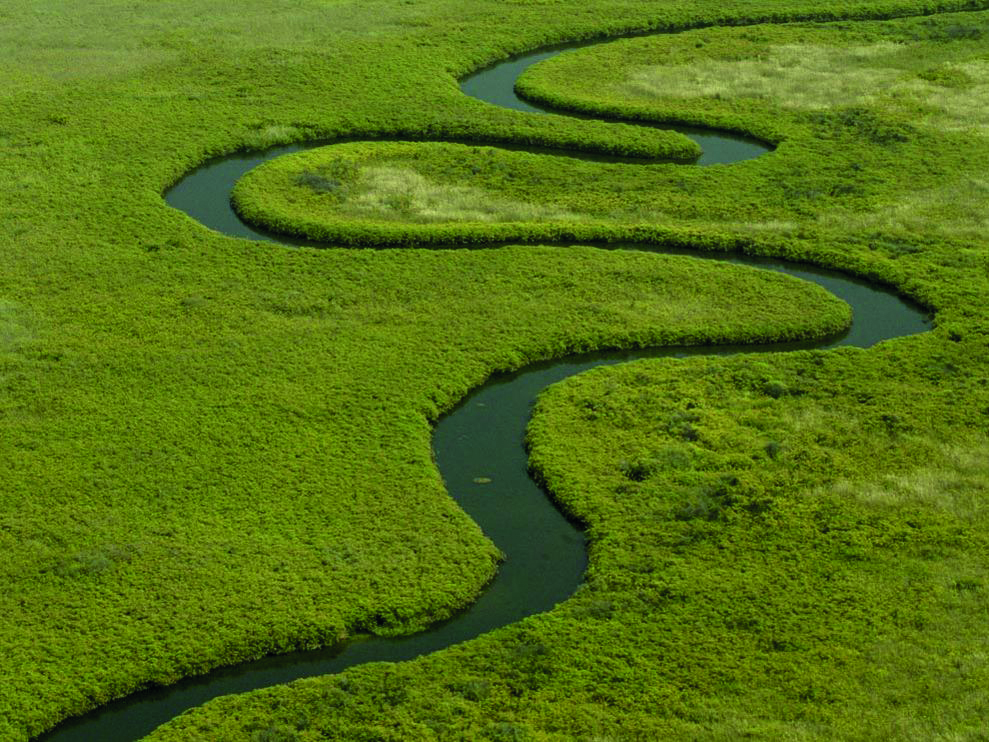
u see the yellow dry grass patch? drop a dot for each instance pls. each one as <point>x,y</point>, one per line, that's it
<point>792,75</point>
<point>954,109</point>
<point>959,209</point>
<point>956,479</point>
<point>813,77</point>
<point>402,193</point>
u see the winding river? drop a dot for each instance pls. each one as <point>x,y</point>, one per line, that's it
<point>545,554</point>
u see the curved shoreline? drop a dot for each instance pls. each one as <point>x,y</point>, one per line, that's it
<point>878,313</point>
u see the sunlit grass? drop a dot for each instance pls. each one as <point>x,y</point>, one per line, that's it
<point>959,209</point>
<point>955,480</point>
<point>963,104</point>
<point>816,77</point>
<point>384,192</point>
<point>794,75</point>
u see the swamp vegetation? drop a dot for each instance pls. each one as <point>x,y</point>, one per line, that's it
<point>215,449</point>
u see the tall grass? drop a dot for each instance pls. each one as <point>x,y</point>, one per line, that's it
<point>402,193</point>
<point>955,479</point>
<point>957,209</point>
<point>813,77</point>
<point>794,75</point>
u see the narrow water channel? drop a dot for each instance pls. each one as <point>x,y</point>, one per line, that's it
<point>483,435</point>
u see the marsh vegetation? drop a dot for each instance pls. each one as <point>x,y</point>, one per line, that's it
<point>213,450</point>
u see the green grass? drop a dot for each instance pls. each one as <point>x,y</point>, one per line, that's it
<point>924,77</point>
<point>821,543</point>
<point>955,480</point>
<point>342,181</point>
<point>212,449</point>
<point>811,76</point>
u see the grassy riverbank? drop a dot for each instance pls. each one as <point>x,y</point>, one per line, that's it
<point>214,449</point>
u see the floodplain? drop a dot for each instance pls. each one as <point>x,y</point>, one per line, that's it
<point>218,449</point>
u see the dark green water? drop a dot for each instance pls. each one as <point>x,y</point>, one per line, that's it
<point>496,85</point>
<point>482,437</point>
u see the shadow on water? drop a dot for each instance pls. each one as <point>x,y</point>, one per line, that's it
<point>481,439</point>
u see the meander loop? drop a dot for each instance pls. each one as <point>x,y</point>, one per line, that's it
<point>545,554</point>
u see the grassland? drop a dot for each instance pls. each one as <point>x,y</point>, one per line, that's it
<point>213,449</point>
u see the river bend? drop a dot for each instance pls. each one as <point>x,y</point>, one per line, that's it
<point>545,554</point>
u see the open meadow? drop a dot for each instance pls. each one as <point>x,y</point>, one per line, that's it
<point>215,449</point>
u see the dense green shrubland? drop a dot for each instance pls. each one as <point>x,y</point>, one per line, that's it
<point>775,555</point>
<point>213,449</point>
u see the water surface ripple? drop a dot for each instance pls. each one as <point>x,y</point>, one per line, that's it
<point>482,436</point>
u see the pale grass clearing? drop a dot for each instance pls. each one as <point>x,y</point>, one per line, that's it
<point>959,209</point>
<point>956,210</point>
<point>955,479</point>
<point>954,108</point>
<point>813,77</point>
<point>402,193</point>
<point>808,420</point>
<point>802,76</point>
<point>270,136</point>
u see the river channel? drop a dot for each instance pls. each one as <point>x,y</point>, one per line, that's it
<point>545,554</point>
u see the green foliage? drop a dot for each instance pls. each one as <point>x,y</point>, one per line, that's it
<point>948,77</point>
<point>319,183</point>
<point>274,734</point>
<point>212,450</point>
